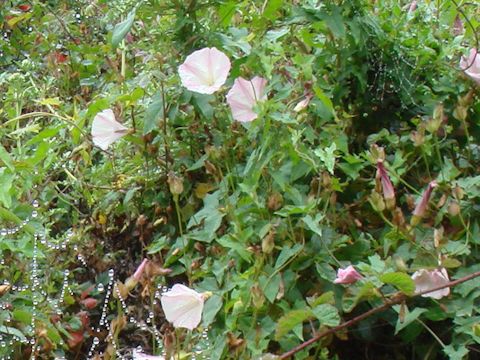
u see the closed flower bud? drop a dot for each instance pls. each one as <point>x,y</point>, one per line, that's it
<point>421,207</point>
<point>376,201</point>
<point>377,152</point>
<point>120,289</point>
<point>458,192</point>
<point>418,136</point>
<point>141,268</point>
<point>274,201</point>
<point>438,236</point>
<point>453,208</point>
<point>302,104</point>
<point>347,276</point>
<point>460,113</point>
<point>175,183</point>
<point>268,242</point>
<point>258,298</point>
<point>89,303</point>
<point>435,122</point>
<point>387,186</point>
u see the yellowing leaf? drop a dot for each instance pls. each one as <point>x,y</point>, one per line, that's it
<point>50,101</point>
<point>102,219</point>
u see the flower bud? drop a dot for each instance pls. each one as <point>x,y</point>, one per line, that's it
<point>435,122</point>
<point>387,186</point>
<point>274,201</point>
<point>438,236</point>
<point>458,192</point>
<point>347,276</point>
<point>89,303</point>
<point>302,105</point>
<point>175,183</point>
<point>421,207</point>
<point>377,152</point>
<point>258,298</point>
<point>268,242</point>
<point>453,208</point>
<point>376,201</point>
<point>460,113</point>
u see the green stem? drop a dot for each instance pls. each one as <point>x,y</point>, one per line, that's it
<point>469,147</point>
<point>437,151</point>
<point>435,336</point>
<point>179,214</point>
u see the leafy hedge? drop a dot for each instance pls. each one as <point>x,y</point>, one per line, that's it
<point>261,214</point>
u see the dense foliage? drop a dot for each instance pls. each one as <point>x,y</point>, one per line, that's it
<point>260,215</point>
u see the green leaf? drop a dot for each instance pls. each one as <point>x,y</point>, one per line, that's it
<point>410,316</point>
<point>324,99</point>
<point>312,223</point>
<point>286,254</point>
<point>290,320</point>
<point>6,180</point>
<point>327,314</point>
<point>121,29</point>
<point>456,352</point>
<point>6,158</point>
<point>400,280</point>
<point>327,156</point>
<point>229,243</point>
<point>272,7</point>
<point>12,331</point>
<point>23,316</point>
<point>53,334</point>
<point>201,102</point>
<point>153,113</point>
<point>270,286</point>
<point>211,308</point>
<point>326,298</point>
<point>335,23</point>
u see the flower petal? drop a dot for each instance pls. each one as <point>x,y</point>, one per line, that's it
<point>243,96</point>
<point>429,279</point>
<point>205,70</point>
<point>183,307</point>
<point>471,65</point>
<point>106,130</point>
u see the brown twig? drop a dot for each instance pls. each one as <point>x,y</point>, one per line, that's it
<point>394,300</point>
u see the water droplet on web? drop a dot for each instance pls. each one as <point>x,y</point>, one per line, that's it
<point>100,288</point>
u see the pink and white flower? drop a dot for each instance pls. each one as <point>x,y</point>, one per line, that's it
<point>106,130</point>
<point>347,276</point>
<point>430,279</point>
<point>471,65</point>
<point>205,70</point>
<point>243,96</point>
<point>183,306</point>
